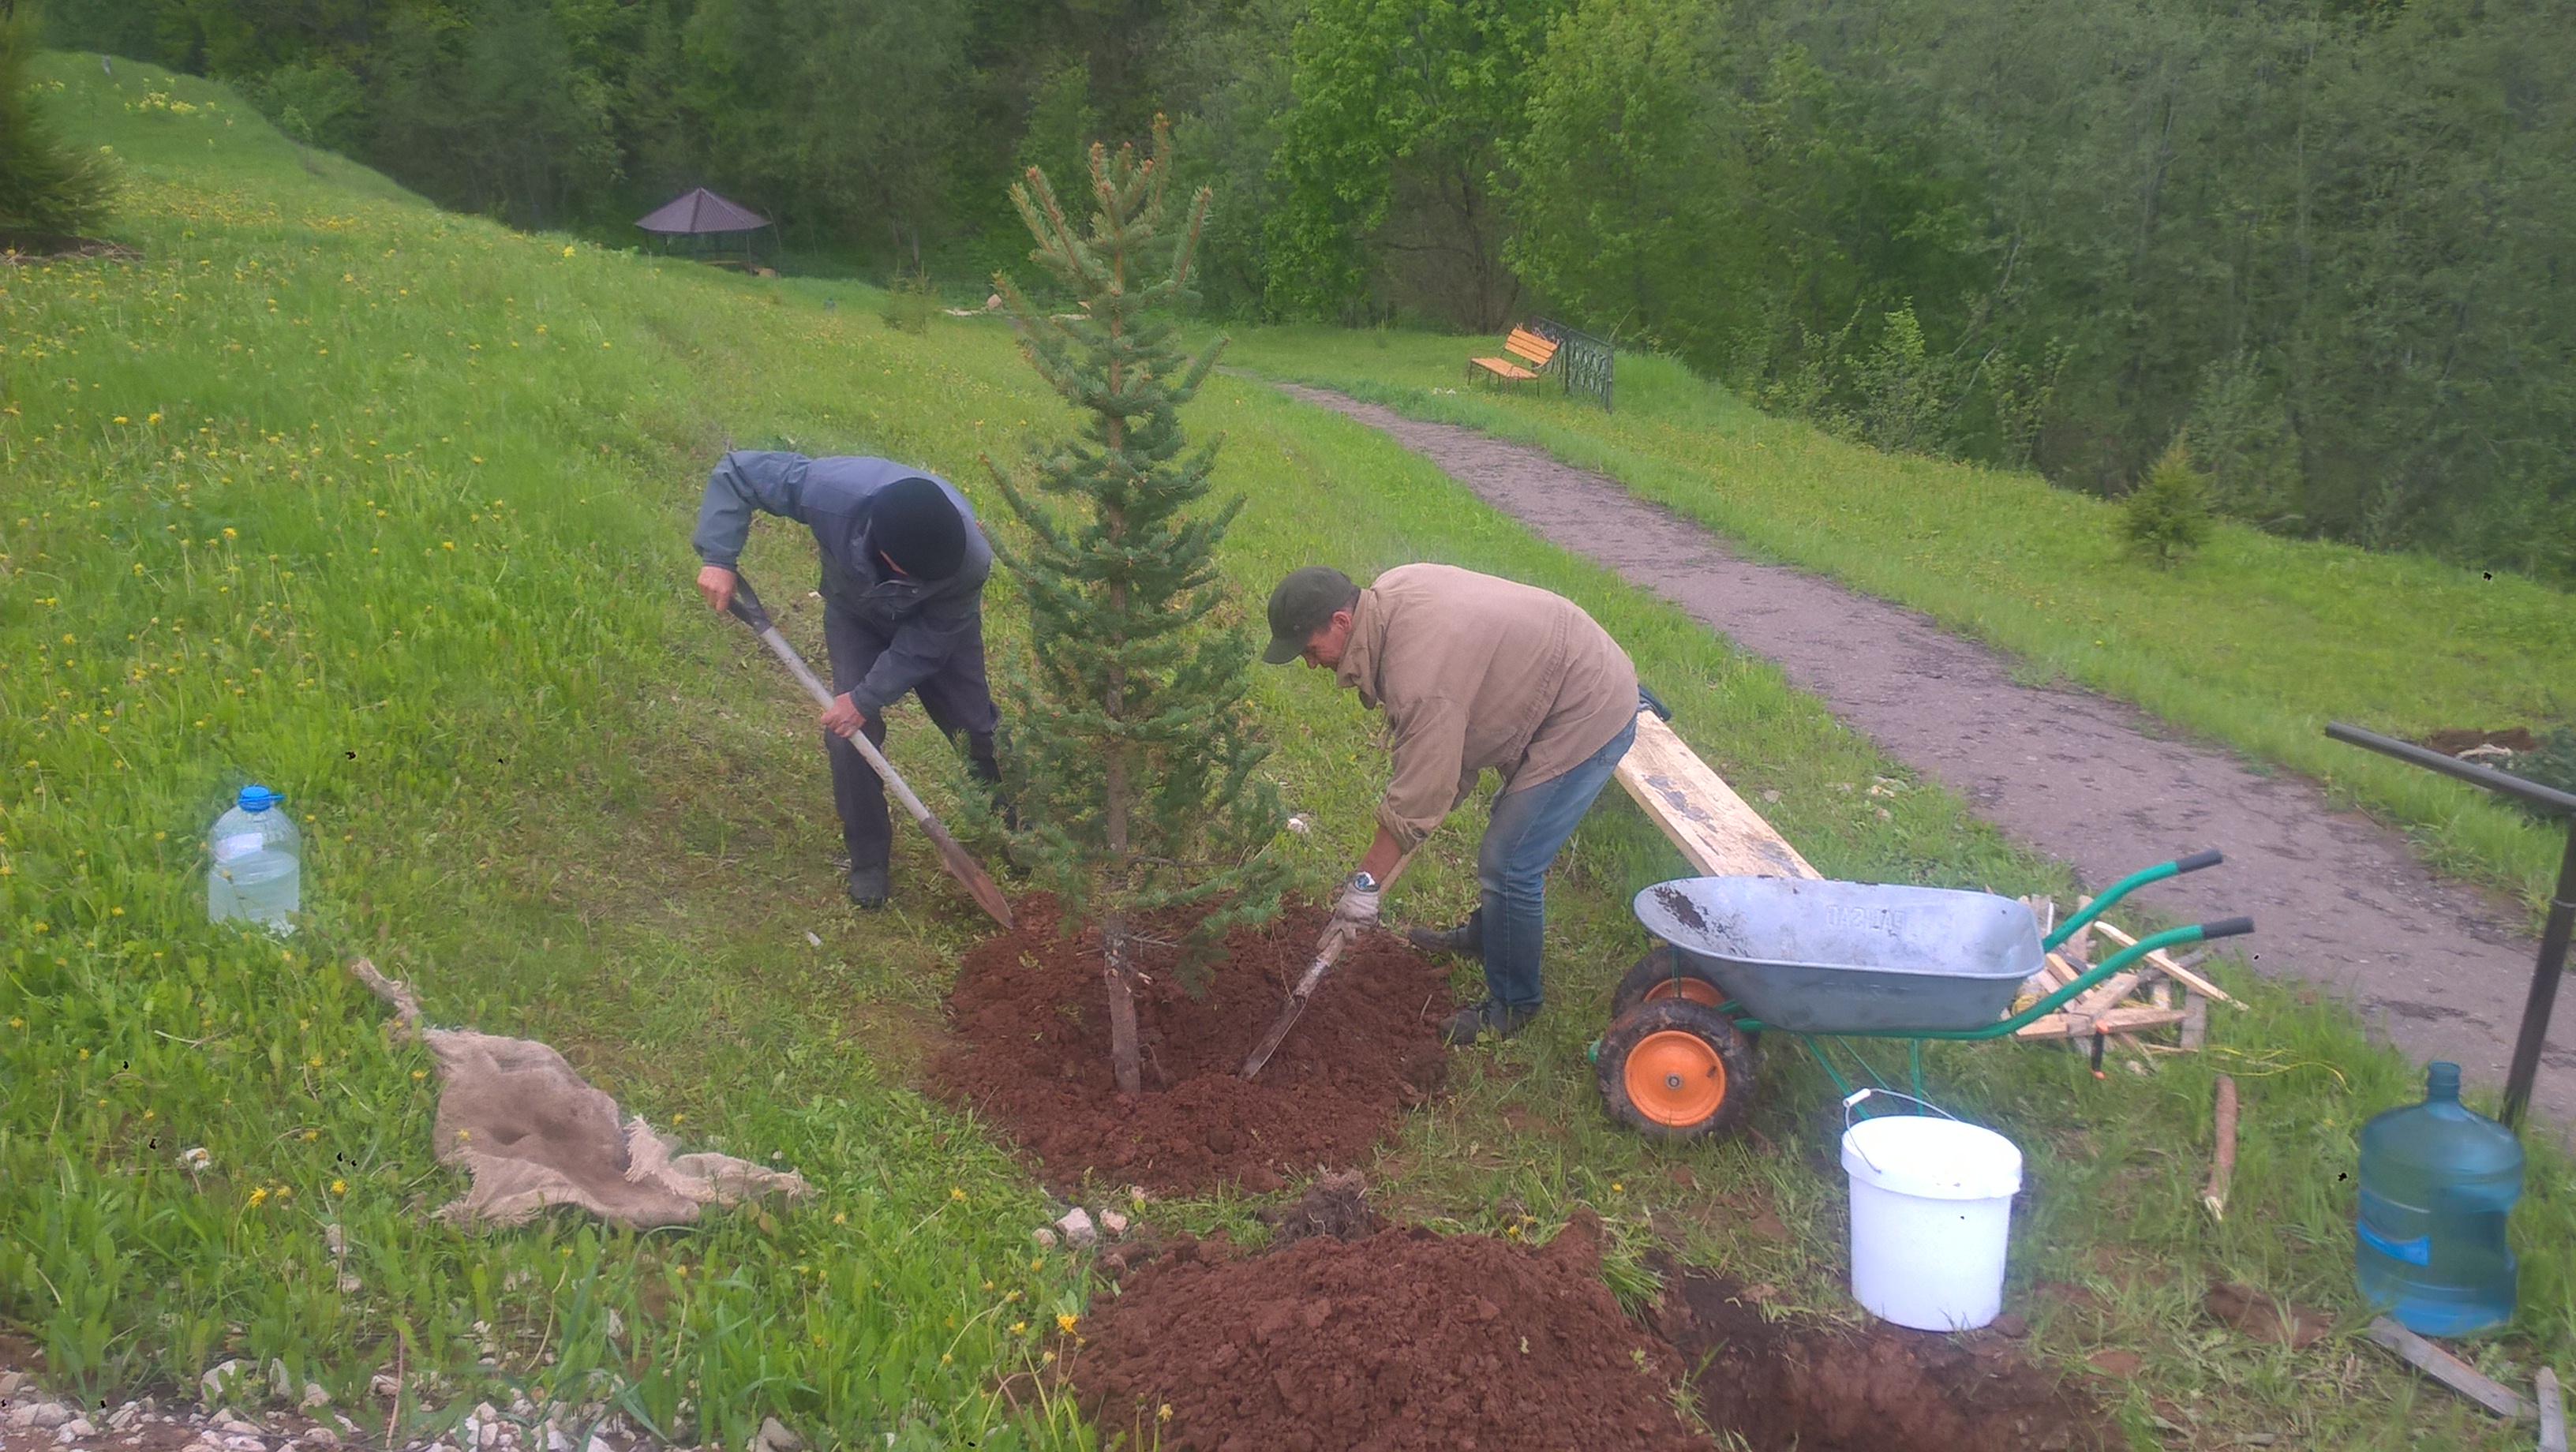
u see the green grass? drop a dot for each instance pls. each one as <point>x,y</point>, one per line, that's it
<point>388,509</point>
<point>2256,642</point>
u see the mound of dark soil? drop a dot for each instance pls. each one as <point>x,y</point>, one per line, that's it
<point>1884,1390</point>
<point>1405,1339</point>
<point>1031,1019</point>
<point>2453,742</point>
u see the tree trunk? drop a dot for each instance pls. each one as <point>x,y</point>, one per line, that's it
<point>1122,1003</point>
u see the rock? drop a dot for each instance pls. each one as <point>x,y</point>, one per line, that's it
<point>10,1381</point>
<point>2010,1325</point>
<point>126,1418</point>
<point>244,1442</point>
<point>774,1437</point>
<point>383,1385</point>
<point>322,1437</point>
<point>281,1382</point>
<point>227,1422</point>
<point>2114,1362</point>
<point>1113,1222</point>
<point>222,1381</point>
<point>556,1441</point>
<point>349,1284</point>
<point>43,1416</point>
<point>1045,1238</point>
<point>73,1430</point>
<point>1077,1228</point>
<point>314,1396</point>
<point>597,1443</point>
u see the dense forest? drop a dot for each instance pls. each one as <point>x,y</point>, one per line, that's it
<point>2329,244</point>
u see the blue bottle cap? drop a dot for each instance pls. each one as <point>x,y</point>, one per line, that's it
<point>256,798</point>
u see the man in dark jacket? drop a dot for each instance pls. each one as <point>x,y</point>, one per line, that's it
<point>903,583</point>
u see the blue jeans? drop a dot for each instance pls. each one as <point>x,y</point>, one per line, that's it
<point>1521,839</point>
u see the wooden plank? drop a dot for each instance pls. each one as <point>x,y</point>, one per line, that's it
<point>1719,836</point>
<point>2450,1371</point>
<point>2097,1000</point>
<point>2553,1411</point>
<point>2117,1020</point>
<point>1502,368</point>
<point>2164,963</point>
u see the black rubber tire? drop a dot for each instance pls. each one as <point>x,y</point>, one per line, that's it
<point>1732,1052</point>
<point>1659,966</point>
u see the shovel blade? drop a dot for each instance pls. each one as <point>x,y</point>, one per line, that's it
<point>970,874</point>
<point>1278,1035</point>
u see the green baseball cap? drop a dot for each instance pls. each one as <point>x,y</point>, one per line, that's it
<point>1303,604</point>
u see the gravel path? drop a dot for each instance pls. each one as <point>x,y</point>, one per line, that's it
<point>2439,966</point>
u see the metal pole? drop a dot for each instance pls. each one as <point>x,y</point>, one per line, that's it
<point>2536,1009</point>
<point>2544,988</point>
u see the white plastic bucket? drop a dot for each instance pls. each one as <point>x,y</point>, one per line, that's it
<point>1931,1200</point>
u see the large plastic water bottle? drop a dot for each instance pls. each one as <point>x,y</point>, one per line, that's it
<point>257,872</point>
<point>2437,1180</point>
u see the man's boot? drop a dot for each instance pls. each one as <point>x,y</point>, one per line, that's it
<point>868,887</point>
<point>1477,1019</point>
<point>1467,940</point>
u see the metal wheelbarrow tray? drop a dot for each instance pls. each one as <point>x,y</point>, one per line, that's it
<point>1811,956</point>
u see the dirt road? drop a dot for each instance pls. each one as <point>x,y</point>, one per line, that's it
<point>2441,967</point>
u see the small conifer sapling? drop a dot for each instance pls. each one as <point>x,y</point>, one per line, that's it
<point>1133,760</point>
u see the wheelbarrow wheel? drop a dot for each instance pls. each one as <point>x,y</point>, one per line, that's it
<point>1674,1069</point>
<point>1661,974</point>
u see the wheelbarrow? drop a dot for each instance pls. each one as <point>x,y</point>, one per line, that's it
<point>1827,960</point>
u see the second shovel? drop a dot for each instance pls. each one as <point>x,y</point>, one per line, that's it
<point>978,883</point>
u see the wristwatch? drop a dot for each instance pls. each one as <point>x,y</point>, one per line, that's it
<point>1363,882</point>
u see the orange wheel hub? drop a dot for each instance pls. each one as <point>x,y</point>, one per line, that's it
<point>1694,989</point>
<point>1675,1078</point>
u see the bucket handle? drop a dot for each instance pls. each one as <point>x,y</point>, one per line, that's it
<point>1852,1101</point>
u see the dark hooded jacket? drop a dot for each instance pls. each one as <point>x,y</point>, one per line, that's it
<point>924,622</point>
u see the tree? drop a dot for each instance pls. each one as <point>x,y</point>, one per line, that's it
<point>2167,516</point>
<point>1132,764</point>
<point>47,189</point>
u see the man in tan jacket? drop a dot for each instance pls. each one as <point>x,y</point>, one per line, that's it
<point>1473,672</point>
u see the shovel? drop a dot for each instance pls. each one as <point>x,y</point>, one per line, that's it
<point>746,608</point>
<point>1305,989</point>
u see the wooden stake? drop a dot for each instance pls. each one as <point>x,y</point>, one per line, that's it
<point>2222,1161</point>
<point>2449,1370</point>
<point>2195,1020</point>
<point>2553,1411</point>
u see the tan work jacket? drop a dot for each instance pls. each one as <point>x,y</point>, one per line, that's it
<point>1476,672</point>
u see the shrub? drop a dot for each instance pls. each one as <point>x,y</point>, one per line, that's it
<point>48,190</point>
<point>910,301</point>
<point>2168,513</point>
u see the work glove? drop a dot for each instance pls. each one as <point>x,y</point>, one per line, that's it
<point>1354,913</point>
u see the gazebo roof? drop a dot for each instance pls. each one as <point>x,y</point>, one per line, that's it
<point>702,211</point>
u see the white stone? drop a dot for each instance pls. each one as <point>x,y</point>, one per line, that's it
<point>240,1426</point>
<point>1077,1228</point>
<point>221,1380</point>
<point>314,1396</point>
<point>45,1416</point>
<point>382,1384</point>
<point>1045,1238</point>
<point>1113,1222</point>
<point>73,1430</point>
<point>322,1437</point>
<point>244,1442</point>
<point>125,1417</point>
<point>556,1441</point>
<point>10,1381</point>
<point>597,1443</point>
<point>774,1437</point>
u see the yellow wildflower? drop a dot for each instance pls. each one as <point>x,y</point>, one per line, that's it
<point>1064,1320</point>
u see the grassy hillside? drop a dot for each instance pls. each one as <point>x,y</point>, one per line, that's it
<point>2257,642</point>
<point>387,509</point>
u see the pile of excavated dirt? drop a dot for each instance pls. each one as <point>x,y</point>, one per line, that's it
<point>1032,1054</point>
<point>1404,1339</point>
<point>1882,1390</point>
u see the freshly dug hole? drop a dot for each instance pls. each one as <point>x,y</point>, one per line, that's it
<point>1881,1390</point>
<point>1404,1339</point>
<point>1032,1054</point>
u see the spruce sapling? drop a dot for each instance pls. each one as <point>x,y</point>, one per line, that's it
<point>1133,761</point>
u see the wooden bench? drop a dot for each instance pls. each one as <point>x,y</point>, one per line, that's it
<point>1524,346</point>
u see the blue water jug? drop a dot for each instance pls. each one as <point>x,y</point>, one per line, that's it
<point>2437,1180</point>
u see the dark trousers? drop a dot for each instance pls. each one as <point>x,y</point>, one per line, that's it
<point>959,701</point>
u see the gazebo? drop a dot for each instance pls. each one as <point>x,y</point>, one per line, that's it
<point>706,221</point>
